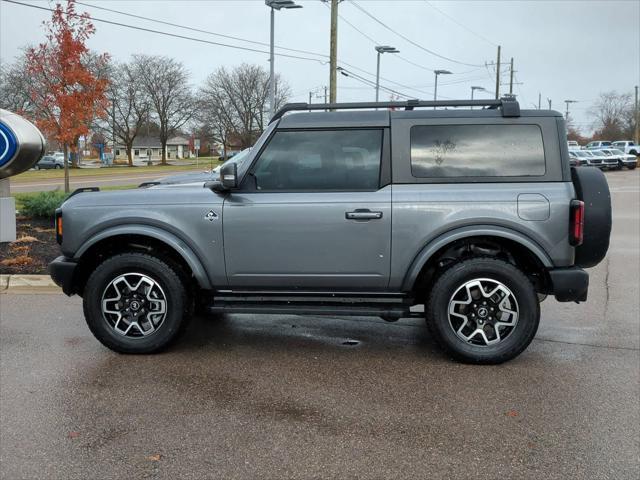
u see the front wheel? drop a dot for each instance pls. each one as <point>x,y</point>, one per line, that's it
<point>483,310</point>
<point>136,303</point>
<point>57,167</point>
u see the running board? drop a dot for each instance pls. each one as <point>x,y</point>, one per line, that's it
<point>388,306</point>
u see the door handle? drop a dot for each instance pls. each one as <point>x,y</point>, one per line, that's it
<point>363,214</point>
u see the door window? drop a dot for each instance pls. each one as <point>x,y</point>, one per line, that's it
<point>319,160</point>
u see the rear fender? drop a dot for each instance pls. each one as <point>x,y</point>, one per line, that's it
<point>467,232</point>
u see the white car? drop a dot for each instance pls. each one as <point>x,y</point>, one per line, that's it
<point>595,158</point>
<point>624,159</point>
<point>573,145</point>
<point>627,146</point>
<point>584,158</point>
<point>612,159</point>
<point>598,144</point>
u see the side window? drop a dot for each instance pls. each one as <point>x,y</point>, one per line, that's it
<point>445,151</point>
<point>320,160</point>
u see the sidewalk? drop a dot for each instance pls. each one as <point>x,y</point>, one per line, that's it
<point>27,284</point>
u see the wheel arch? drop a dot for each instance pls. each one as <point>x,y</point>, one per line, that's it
<point>142,238</point>
<point>521,247</point>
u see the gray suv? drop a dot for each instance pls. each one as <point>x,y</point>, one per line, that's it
<point>352,209</point>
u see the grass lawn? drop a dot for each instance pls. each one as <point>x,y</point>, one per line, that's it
<point>203,164</point>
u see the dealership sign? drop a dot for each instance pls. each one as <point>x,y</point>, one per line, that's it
<point>21,144</point>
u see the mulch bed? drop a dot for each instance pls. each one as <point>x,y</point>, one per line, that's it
<point>34,248</point>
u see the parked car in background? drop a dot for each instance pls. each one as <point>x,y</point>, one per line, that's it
<point>573,145</point>
<point>610,160</point>
<point>195,177</point>
<point>594,159</point>
<point>48,162</point>
<point>624,159</point>
<point>627,146</point>
<point>574,161</point>
<point>582,157</point>
<point>598,144</point>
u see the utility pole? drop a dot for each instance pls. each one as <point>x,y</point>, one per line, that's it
<point>498,75</point>
<point>549,100</point>
<point>333,52</point>
<point>511,78</point>
<point>539,99</point>
<point>637,132</point>
<point>310,95</point>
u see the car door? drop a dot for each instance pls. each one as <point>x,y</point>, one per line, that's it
<point>313,211</point>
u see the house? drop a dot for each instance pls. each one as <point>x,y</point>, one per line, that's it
<point>145,148</point>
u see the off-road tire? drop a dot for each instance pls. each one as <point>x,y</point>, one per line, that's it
<point>458,274</point>
<point>178,309</point>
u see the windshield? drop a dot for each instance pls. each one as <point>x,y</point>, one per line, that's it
<point>617,152</point>
<point>580,153</point>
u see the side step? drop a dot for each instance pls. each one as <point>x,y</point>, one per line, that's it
<point>388,306</point>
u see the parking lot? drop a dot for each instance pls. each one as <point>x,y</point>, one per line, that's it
<point>248,396</point>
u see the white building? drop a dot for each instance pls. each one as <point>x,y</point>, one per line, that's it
<point>145,148</point>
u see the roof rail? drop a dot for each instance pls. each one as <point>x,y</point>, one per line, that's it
<point>508,105</point>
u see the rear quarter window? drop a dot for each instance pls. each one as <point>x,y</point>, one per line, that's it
<point>450,151</point>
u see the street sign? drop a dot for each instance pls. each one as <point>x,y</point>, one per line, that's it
<point>196,144</point>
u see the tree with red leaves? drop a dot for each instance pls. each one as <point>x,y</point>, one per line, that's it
<point>67,82</point>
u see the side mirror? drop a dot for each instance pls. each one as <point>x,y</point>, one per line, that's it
<point>228,179</point>
<point>229,176</point>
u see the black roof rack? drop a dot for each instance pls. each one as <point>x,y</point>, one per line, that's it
<point>508,105</point>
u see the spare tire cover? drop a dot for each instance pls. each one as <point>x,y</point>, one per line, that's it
<point>592,188</point>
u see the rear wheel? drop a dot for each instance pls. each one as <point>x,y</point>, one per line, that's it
<point>57,167</point>
<point>136,303</point>
<point>483,310</point>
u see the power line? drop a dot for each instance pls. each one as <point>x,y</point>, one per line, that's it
<point>194,29</point>
<point>404,37</point>
<point>174,35</point>
<point>460,24</point>
<point>375,42</point>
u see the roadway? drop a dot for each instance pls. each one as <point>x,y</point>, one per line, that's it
<point>248,396</point>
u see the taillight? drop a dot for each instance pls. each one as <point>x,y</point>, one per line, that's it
<point>59,226</point>
<point>576,228</point>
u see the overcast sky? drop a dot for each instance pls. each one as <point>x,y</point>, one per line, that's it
<point>563,50</point>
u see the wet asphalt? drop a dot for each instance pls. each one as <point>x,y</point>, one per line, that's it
<point>249,396</point>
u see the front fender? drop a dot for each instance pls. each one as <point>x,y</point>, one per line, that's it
<point>167,238</point>
<point>467,232</point>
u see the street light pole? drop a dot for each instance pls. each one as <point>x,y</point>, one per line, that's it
<point>382,49</point>
<point>435,90</point>
<point>473,89</point>
<point>275,5</point>
<point>567,111</point>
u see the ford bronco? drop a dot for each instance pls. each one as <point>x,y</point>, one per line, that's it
<point>466,217</point>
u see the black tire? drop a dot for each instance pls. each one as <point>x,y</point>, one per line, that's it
<point>514,342</point>
<point>178,305</point>
<point>57,167</point>
<point>632,166</point>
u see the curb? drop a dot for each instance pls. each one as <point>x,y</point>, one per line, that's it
<point>27,284</point>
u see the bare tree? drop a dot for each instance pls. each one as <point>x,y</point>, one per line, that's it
<point>235,103</point>
<point>14,86</point>
<point>129,109</point>
<point>613,115</point>
<point>166,84</point>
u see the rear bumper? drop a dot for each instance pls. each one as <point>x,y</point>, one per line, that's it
<point>569,284</point>
<point>62,270</point>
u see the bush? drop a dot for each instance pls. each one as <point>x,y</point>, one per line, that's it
<point>41,204</point>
